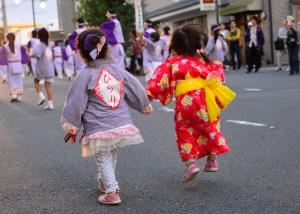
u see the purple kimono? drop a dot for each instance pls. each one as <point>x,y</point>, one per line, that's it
<point>147,58</point>
<point>115,39</point>
<point>79,64</point>
<point>44,65</point>
<point>98,99</point>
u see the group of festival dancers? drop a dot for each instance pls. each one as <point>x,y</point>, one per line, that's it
<point>102,92</point>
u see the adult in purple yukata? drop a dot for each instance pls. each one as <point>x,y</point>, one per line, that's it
<point>69,61</point>
<point>13,55</point>
<point>44,69</point>
<point>113,30</point>
<point>58,59</point>
<point>33,42</point>
<point>98,100</point>
<point>147,62</point>
<point>79,63</point>
<point>3,68</point>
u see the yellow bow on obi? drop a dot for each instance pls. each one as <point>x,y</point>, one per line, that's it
<point>216,94</point>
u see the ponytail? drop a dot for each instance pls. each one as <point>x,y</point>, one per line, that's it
<point>11,46</point>
<point>11,42</point>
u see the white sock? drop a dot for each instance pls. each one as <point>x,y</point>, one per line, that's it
<point>41,94</point>
<point>50,103</point>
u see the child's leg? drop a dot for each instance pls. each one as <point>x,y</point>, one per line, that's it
<point>49,95</point>
<point>105,164</point>
<point>211,163</point>
<point>114,153</point>
<point>49,90</point>
<point>99,177</point>
<point>38,89</point>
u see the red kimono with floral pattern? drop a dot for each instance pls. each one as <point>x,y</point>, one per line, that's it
<point>196,135</point>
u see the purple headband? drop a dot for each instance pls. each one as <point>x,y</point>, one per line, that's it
<point>87,39</point>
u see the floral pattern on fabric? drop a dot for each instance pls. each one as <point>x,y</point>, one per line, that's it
<point>196,135</point>
<point>69,127</point>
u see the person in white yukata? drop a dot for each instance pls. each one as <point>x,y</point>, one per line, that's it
<point>44,69</point>
<point>33,42</point>
<point>147,63</point>
<point>58,59</point>
<point>13,55</point>
<point>115,38</point>
<point>166,40</point>
<point>79,63</point>
<point>69,61</point>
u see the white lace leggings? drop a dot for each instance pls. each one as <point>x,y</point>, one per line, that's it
<point>106,165</point>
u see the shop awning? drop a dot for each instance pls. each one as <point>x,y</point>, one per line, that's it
<point>254,5</point>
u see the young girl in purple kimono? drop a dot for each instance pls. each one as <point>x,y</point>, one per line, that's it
<point>44,68</point>
<point>98,100</point>
<point>13,55</point>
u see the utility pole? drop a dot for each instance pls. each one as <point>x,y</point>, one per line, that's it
<point>4,16</point>
<point>217,11</point>
<point>33,13</point>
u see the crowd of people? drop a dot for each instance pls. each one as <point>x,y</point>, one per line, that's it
<point>288,41</point>
<point>185,64</point>
<point>225,44</point>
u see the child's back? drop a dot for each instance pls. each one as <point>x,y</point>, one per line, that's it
<point>197,85</point>
<point>98,100</point>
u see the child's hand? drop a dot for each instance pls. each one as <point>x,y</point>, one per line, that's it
<point>148,110</point>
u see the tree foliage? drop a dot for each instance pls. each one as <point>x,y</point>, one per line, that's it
<point>94,13</point>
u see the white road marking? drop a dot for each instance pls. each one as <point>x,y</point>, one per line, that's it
<point>252,89</point>
<point>167,109</point>
<point>246,123</point>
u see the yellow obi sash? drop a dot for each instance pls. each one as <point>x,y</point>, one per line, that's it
<point>213,90</point>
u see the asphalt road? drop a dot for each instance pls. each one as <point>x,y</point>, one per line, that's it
<point>41,174</point>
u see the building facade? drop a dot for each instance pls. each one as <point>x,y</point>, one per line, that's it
<point>66,15</point>
<point>177,12</point>
<point>271,14</point>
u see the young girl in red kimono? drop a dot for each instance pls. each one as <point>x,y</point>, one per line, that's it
<point>200,95</point>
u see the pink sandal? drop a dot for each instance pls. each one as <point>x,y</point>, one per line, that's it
<point>211,165</point>
<point>112,198</point>
<point>190,172</point>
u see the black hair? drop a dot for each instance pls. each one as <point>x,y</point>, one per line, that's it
<point>87,41</point>
<point>34,33</point>
<point>149,22</point>
<point>80,21</point>
<point>11,41</point>
<point>66,42</point>
<point>188,40</point>
<point>166,30</point>
<point>255,18</point>
<point>134,33</point>
<point>56,42</point>
<point>112,11</point>
<point>43,35</point>
<point>216,31</point>
<point>154,37</point>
